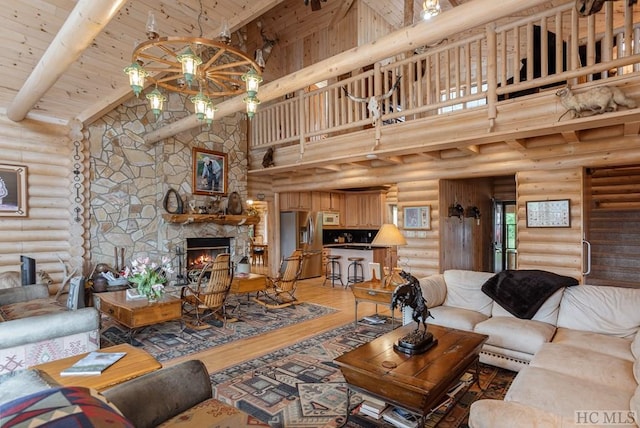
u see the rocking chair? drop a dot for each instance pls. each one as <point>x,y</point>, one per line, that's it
<point>208,296</point>
<point>281,289</point>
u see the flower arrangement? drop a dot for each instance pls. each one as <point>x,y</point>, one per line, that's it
<point>148,276</point>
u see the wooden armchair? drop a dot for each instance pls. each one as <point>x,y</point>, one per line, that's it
<point>208,297</point>
<point>280,291</point>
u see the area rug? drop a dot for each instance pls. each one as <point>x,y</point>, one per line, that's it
<point>300,386</point>
<point>176,339</point>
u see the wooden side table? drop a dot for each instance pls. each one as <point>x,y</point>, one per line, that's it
<point>374,292</point>
<point>136,363</point>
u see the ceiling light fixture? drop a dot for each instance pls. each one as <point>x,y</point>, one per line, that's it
<point>430,8</point>
<point>195,66</point>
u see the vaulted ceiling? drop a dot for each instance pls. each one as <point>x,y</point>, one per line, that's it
<point>98,45</point>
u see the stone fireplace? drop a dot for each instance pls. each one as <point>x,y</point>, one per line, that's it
<point>201,251</point>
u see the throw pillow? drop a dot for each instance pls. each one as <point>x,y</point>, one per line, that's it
<point>60,408</point>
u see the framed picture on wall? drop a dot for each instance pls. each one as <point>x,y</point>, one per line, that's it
<point>549,213</point>
<point>417,217</point>
<point>13,190</point>
<point>209,172</point>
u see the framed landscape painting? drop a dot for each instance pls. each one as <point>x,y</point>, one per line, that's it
<point>209,172</point>
<point>13,190</point>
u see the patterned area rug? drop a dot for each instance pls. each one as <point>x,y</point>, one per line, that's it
<point>300,386</point>
<point>175,339</point>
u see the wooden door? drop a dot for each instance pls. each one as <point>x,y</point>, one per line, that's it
<point>612,226</point>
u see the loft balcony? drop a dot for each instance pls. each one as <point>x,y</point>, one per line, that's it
<point>492,91</point>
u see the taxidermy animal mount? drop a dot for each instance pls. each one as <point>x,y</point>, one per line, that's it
<point>373,103</point>
<point>596,100</point>
<point>267,160</point>
<point>589,7</point>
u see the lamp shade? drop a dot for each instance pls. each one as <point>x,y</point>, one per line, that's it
<point>389,235</point>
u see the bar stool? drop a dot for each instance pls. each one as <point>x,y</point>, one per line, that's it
<point>352,270</point>
<point>333,270</point>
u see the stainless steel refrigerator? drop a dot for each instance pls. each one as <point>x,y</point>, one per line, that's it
<point>303,230</point>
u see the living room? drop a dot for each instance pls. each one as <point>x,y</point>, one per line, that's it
<point>96,181</point>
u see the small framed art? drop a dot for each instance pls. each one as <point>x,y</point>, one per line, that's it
<point>549,213</point>
<point>13,190</point>
<point>417,217</point>
<point>209,172</point>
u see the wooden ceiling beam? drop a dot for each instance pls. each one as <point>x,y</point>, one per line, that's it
<point>472,14</point>
<point>519,144</point>
<point>87,19</point>
<point>473,149</point>
<point>631,129</point>
<point>435,155</point>
<point>571,136</point>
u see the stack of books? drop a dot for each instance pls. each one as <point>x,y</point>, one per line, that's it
<point>372,407</point>
<point>399,417</point>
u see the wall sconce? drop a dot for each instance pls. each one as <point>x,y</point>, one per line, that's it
<point>456,211</point>
<point>473,212</point>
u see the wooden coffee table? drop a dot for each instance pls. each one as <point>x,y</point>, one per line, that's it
<point>416,383</point>
<point>139,313</point>
<point>136,363</point>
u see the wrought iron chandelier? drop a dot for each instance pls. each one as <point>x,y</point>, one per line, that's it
<point>195,66</point>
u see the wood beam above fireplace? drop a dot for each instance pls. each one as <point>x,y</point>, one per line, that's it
<point>234,220</point>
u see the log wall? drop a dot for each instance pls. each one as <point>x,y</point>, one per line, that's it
<point>556,249</point>
<point>49,232</point>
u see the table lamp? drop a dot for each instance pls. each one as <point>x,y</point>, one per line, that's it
<point>388,236</point>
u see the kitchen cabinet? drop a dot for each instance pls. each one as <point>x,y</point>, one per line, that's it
<point>363,210</point>
<point>295,201</point>
<point>327,201</point>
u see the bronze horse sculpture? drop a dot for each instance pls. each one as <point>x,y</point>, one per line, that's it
<point>410,294</point>
<point>589,7</point>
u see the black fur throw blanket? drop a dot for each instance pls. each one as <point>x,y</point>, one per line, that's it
<point>522,292</point>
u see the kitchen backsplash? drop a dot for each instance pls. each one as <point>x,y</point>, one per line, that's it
<point>360,236</point>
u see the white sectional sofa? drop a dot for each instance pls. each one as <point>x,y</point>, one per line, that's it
<point>578,357</point>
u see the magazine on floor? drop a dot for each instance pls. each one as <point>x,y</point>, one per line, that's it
<point>93,364</point>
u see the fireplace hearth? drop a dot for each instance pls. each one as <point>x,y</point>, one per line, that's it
<point>201,251</point>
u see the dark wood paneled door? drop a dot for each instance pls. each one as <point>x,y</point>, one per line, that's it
<point>612,226</point>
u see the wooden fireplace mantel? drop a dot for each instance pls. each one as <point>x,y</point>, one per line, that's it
<point>233,220</point>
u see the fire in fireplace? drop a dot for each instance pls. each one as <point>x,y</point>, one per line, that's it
<point>201,251</point>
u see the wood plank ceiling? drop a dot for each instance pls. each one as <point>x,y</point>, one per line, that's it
<point>95,82</point>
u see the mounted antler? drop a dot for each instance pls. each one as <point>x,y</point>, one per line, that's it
<point>66,277</point>
<point>373,103</point>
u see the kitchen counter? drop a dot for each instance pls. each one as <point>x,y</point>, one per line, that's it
<point>370,254</point>
<point>353,246</point>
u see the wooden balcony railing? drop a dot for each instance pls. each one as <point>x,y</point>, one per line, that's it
<point>497,64</point>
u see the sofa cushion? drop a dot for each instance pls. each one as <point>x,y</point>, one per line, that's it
<point>563,394</point>
<point>615,346</point>
<point>31,308</point>
<point>464,290</point>
<point>596,367</point>
<point>548,312</point>
<point>600,309</point>
<point>61,407</point>
<point>462,319</point>
<point>636,370</point>
<point>514,333</point>
<point>635,346</point>
<point>434,289</point>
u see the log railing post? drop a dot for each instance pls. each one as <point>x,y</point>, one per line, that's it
<point>492,75</point>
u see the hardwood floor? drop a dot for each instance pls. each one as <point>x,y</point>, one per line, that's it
<point>309,290</point>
